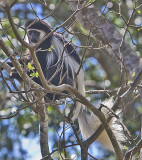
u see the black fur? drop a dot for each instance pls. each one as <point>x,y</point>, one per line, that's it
<point>49,60</point>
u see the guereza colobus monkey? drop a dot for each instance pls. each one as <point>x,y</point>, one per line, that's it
<point>54,50</point>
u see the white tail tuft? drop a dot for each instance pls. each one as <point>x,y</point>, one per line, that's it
<point>89,124</point>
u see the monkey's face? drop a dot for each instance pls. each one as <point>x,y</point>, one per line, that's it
<point>35,35</point>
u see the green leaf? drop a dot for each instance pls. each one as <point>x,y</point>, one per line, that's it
<point>133,74</point>
<point>30,66</point>
<point>82,29</point>
<point>129,80</point>
<point>91,1</point>
<point>139,109</point>
<point>125,147</point>
<point>50,49</point>
<point>139,28</point>
<point>84,3</point>
<point>36,74</point>
<point>32,74</point>
<point>138,11</point>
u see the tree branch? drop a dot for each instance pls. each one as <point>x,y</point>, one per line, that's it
<point>133,151</point>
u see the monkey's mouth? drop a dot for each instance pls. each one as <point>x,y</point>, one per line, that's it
<point>33,43</point>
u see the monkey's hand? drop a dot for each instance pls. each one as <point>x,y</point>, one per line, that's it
<point>13,73</point>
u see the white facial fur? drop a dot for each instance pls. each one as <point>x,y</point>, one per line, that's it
<point>42,34</point>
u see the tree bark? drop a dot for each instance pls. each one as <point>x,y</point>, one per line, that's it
<point>43,133</point>
<point>102,29</point>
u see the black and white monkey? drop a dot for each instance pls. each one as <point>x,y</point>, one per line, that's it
<point>70,62</point>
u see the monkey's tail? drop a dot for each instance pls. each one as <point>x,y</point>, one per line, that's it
<point>88,124</point>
